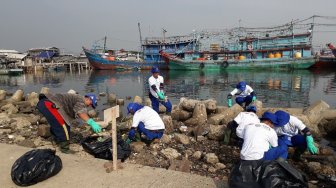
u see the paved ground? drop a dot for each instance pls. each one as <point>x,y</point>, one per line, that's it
<point>78,172</point>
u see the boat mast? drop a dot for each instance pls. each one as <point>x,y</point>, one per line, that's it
<point>104,44</point>
<point>141,49</point>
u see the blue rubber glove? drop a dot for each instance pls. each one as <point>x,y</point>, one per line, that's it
<point>95,127</point>
<point>229,103</point>
<point>161,95</point>
<point>310,145</point>
<point>131,134</point>
<point>254,98</point>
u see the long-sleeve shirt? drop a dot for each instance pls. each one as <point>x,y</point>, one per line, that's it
<point>243,119</point>
<point>69,105</point>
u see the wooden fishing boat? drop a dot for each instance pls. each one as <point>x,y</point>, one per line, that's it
<point>102,62</point>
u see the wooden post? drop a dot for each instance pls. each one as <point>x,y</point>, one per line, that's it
<point>115,114</point>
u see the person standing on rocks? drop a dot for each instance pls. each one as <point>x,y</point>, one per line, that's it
<point>261,140</point>
<point>156,93</point>
<point>61,109</point>
<point>245,94</point>
<point>146,122</point>
<point>239,123</point>
<point>294,133</point>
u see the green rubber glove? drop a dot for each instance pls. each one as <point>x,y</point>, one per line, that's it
<point>254,98</point>
<point>128,141</point>
<point>229,103</point>
<point>161,95</point>
<point>310,145</point>
<point>95,127</point>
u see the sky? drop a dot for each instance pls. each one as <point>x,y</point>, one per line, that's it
<point>71,24</point>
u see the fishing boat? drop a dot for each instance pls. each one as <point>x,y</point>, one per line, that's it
<point>105,62</point>
<point>327,58</point>
<point>279,47</point>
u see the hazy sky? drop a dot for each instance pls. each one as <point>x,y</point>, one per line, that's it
<point>71,24</point>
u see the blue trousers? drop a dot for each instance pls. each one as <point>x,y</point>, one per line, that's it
<point>156,103</point>
<point>149,133</point>
<point>58,128</point>
<point>297,141</point>
<point>247,100</point>
<point>274,153</point>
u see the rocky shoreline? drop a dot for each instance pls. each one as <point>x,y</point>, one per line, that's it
<point>193,140</point>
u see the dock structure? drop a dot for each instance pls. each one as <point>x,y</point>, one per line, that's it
<point>57,64</point>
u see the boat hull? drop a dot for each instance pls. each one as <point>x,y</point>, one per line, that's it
<point>270,63</point>
<point>325,62</point>
<point>99,63</point>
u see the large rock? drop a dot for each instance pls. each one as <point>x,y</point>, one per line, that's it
<point>216,132</point>
<point>165,139</point>
<point>181,138</point>
<point>33,119</point>
<point>137,147</point>
<point>112,98</point>
<point>312,126</point>
<point>170,153</point>
<point>181,115</point>
<point>44,90</point>
<point>137,99</point>
<point>43,131</point>
<point>3,94</point>
<point>330,128</point>
<point>168,122</point>
<point>188,104</point>
<point>21,122</point>
<point>226,116</point>
<point>221,109</point>
<point>211,105</point>
<point>32,98</point>
<point>329,114</point>
<point>314,111</point>
<point>17,96</point>
<point>197,155</point>
<point>211,158</point>
<point>10,108</point>
<point>199,115</point>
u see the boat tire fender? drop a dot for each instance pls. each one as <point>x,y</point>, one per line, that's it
<point>225,64</point>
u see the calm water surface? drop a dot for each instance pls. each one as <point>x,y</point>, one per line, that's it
<point>298,88</point>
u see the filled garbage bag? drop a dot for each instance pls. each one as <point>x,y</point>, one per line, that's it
<point>266,174</point>
<point>35,166</point>
<point>102,147</point>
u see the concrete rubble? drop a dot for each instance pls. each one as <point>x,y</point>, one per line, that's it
<point>192,141</point>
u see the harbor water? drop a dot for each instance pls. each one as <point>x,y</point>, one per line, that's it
<point>297,88</point>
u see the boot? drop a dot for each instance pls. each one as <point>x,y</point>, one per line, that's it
<point>297,154</point>
<point>65,147</point>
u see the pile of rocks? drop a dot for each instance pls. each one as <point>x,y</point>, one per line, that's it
<point>192,141</point>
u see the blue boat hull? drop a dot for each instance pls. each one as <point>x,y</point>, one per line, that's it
<point>99,63</point>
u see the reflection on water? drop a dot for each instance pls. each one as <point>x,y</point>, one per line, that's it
<point>297,88</point>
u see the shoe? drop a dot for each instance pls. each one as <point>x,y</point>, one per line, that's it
<point>65,147</point>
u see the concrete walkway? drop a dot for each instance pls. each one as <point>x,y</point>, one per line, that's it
<point>78,172</point>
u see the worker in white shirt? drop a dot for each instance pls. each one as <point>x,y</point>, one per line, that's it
<point>261,140</point>
<point>239,122</point>
<point>146,122</point>
<point>156,93</point>
<point>245,94</point>
<point>294,133</point>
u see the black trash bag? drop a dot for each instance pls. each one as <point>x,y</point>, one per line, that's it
<point>103,149</point>
<point>266,174</point>
<point>35,166</point>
